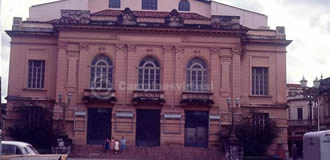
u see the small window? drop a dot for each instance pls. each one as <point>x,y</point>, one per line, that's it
<point>114,3</point>
<point>260,81</point>
<point>184,5</point>
<point>300,113</point>
<point>149,4</point>
<point>36,74</point>
<point>260,120</point>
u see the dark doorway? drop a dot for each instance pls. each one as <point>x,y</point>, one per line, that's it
<point>99,125</point>
<point>196,129</point>
<point>147,127</point>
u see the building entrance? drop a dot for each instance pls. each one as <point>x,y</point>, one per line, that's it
<point>147,127</point>
<point>98,125</point>
<point>196,129</point>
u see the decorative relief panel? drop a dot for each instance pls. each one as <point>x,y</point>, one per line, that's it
<point>127,17</point>
<point>75,16</point>
<point>174,19</point>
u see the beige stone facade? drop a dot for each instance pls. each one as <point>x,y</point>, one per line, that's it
<point>249,64</point>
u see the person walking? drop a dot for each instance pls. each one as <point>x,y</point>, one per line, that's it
<point>107,146</point>
<point>294,152</point>
<point>116,146</point>
<point>112,145</point>
<point>123,144</point>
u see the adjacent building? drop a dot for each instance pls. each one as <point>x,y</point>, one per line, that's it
<point>157,72</point>
<point>324,103</point>
<point>298,116</point>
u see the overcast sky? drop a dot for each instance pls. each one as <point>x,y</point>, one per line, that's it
<point>307,22</point>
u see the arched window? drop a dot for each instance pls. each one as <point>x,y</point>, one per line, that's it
<point>184,5</point>
<point>149,74</point>
<point>114,3</point>
<point>101,73</point>
<point>149,4</point>
<point>196,75</point>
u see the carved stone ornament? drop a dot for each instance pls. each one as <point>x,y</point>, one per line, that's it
<point>174,19</point>
<point>127,17</point>
<point>75,16</point>
<point>84,46</point>
<point>225,22</point>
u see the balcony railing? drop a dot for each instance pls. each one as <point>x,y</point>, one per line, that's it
<point>99,95</point>
<point>197,98</point>
<point>148,97</point>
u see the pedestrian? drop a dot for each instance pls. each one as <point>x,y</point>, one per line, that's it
<point>294,151</point>
<point>107,146</point>
<point>123,144</point>
<point>112,145</point>
<point>116,146</point>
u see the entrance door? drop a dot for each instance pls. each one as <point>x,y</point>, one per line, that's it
<point>147,127</point>
<point>99,125</point>
<point>196,129</point>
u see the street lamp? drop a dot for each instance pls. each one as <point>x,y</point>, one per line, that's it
<point>64,106</point>
<point>234,150</point>
<point>310,94</point>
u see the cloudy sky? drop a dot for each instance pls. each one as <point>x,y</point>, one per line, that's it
<point>307,22</point>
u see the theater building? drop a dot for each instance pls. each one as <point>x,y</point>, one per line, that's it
<point>156,72</point>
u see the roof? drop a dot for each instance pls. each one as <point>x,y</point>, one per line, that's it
<point>48,3</point>
<point>149,14</point>
<point>16,143</point>
<point>239,8</point>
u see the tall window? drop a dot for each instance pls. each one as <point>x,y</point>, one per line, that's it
<point>149,4</point>
<point>300,113</point>
<point>184,5</point>
<point>101,73</point>
<point>149,74</point>
<point>260,120</point>
<point>114,3</point>
<point>36,75</point>
<point>196,75</point>
<point>260,81</point>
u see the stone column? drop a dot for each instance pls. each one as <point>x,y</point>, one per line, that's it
<point>236,73</point>
<point>120,73</point>
<point>167,75</point>
<point>131,72</point>
<point>83,70</point>
<point>179,74</point>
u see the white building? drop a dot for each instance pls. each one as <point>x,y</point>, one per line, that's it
<point>203,7</point>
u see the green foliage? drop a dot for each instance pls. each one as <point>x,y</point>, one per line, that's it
<point>39,136</point>
<point>254,139</point>
<point>33,126</point>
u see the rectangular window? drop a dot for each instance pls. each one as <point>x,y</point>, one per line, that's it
<point>300,113</point>
<point>36,74</point>
<point>259,120</point>
<point>260,81</point>
<point>149,4</point>
<point>114,3</point>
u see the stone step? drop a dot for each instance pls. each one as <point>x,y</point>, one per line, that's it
<point>145,153</point>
